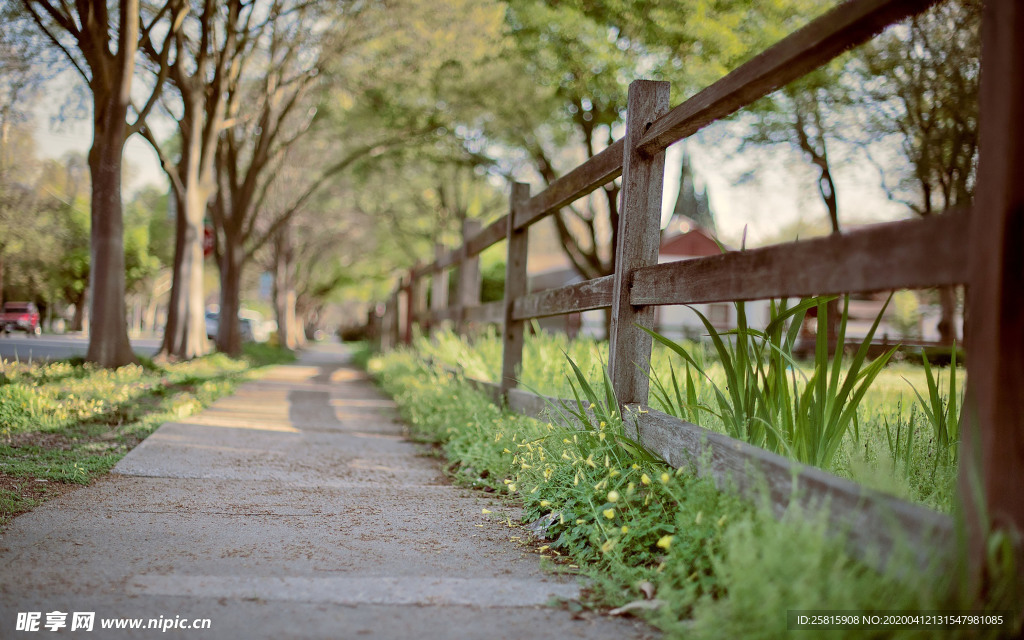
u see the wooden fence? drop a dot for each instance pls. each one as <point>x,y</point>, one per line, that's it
<point>980,248</point>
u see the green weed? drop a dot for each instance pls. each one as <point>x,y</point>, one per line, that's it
<point>719,566</point>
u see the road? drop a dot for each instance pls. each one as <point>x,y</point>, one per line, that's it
<point>19,346</point>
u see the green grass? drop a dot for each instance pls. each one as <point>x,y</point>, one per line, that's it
<point>855,438</point>
<point>719,566</point>
<point>68,422</point>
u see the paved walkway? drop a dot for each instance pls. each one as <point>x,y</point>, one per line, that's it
<point>292,509</point>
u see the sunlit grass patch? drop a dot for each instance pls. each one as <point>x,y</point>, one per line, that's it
<point>69,422</point>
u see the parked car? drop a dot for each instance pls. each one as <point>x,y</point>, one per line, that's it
<point>250,325</point>
<point>20,316</point>
<point>212,322</point>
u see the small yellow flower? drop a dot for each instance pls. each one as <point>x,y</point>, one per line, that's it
<point>665,478</point>
<point>590,461</point>
<point>591,406</point>
<point>720,522</point>
<point>544,548</point>
<point>485,511</point>
<point>607,461</point>
<point>608,546</point>
<point>645,479</point>
<point>665,542</point>
<point>511,487</point>
<point>609,513</point>
<point>497,436</point>
<point>613,496</point>
<point>613,473</point>
<point>624,529</point>
<point>506,450</point>
<point>580,521</point>
<point>635,466</point>
<point>601,436</point>
<point>603,424</point>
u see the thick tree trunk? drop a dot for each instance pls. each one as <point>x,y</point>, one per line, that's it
<point>229,339</point>
<point>284,290</point>
<point>185,332</point>
<point>108,335</point>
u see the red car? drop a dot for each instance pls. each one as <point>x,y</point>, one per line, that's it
<point>20,316</point>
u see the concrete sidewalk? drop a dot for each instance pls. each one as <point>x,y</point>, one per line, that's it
<point>292,509</point>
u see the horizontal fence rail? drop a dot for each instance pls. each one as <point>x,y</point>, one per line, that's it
<point>583,296</point>
<point>849,25</point>
<point>898,255</point>
<point>973,247</point>
<point>583,180</point>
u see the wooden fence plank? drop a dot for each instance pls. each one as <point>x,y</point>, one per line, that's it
<point>846,26</point>
<point>420,288</point>
<point>639,233</point>
<point>601,169</point>
<point>438,286</point>
<point>448,258</point>
<point>992,445</point>
<point>491,235</point>
<point>872,521</point>
<point>492,312</point>
<point>515,286</point>
<point>469,276</point>
<point>582,296</point>
<point>907,254</point>
<point>438,316</point>
<point>404,302</point>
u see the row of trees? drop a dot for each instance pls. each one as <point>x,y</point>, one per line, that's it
<point>331,143</point>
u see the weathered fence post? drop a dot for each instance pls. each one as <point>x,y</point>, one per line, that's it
<point>385,326</point>
<point>405,308</point>
<point>992,442</point>
<point>637,243</point>
<point>469,276</point>
<point>515,286</point>
<point>418,302</point>
<point>438,288</point>
<point>394,327</point>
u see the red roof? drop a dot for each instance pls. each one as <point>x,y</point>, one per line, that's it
<point>695,243</point>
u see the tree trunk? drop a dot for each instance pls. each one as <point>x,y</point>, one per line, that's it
<point>284,290</point>
<point>78,320</point>
<point>947,322</point>
<point>185,332</point>
<point>108,336</point>
<point>229,338</point>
